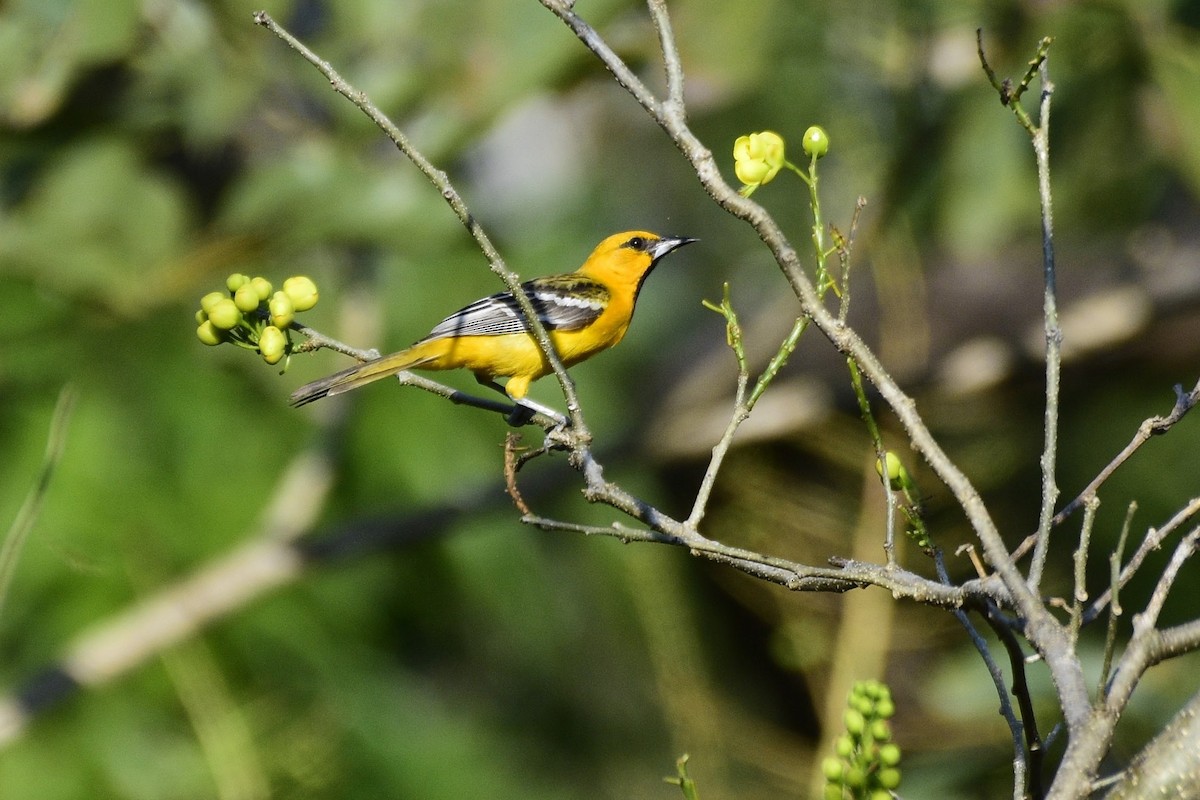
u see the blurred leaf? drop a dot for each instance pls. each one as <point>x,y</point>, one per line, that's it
<point>96,225</point>
<point>1176,67</point>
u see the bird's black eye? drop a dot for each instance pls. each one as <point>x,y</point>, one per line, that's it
<point>637,243</point>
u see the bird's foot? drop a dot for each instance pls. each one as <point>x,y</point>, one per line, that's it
<point>524,410</point>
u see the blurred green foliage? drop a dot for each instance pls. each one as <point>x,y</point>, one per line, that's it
<point>149,149</point>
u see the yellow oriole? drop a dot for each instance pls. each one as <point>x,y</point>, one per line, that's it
<point>584,312</point>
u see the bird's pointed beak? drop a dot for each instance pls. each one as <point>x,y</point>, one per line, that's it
<point>668,243</point>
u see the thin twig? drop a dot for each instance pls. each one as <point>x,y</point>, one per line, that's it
<point>868,418</point>
<point>511,448</point>
<point>1114,610</point>
<point>22,524</point>
<point>1151,427</point>
<point>1053,332</point>
<point>1016,729</point>
<point>1079,594</point>
<point>1183,551</point>
<point>671,63</point>
<point>1154,538</point>
<point>1034,746</point>
<point>741,411</point>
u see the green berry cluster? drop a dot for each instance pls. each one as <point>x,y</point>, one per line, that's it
<point>867,764</point>
<point>251,315</point>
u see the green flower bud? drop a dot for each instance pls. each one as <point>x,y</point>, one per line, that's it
<point>302,292</point>
<point>880,731</point>
<point>246,298</point>
<point>201,317</point>
<point>843,746</point>
<point>885,708</point>
<point>833,769</point>
<point>816,141</point>
<point>224,314</point>
<point>282,310</point>
<point>854,722</point>
<point>262,287</point>
<point>855,778</point>
<point>895,470</point>
<point>210,334</point>
<point>272,344</point>
<point>888,778</point>
<point>889,755</point>
<point>236,281</point>
<point>211,299</point>
<point>862,704</point>
<point>833,791</point>
<point>881,794</point>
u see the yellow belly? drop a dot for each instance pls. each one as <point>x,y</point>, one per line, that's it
<point>514,355</point>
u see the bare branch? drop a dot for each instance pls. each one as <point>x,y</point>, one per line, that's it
<point>1114,611</point>
<point>1154,538</point>
<point>1183,551</point>
<point>1042,629</point>
<point>1154,426</point>
<point>1052,330</point>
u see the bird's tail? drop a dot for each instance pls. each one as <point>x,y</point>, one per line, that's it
<point>359,375</point>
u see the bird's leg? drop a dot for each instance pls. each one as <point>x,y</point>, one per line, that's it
<point>523,409</point>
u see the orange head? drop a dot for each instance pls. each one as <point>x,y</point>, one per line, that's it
<point>628,257</point>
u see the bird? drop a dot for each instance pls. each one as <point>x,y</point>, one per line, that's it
<point>584,313</point>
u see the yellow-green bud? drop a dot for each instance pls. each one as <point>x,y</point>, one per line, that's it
<point>885,708</point>
<point>881,794</point>
<point>210,334</point>
<point>880,731</point>
<point>816,141</point>
<point>302,292</point>
<point>854,722</point>
<point>855,778</point>
<point>211,299</point>
<point>224,314</point>
<point>833,791</point>
<point>262,287</point>
<point>282,310</point>
<point>272,343</point>
<point>895,470</point>
<point>201,317</point>
<point>833,769</point>
<point>246,298</point>
<point>889,755</point>
<point>236,281</point>
<point>843,746</point>
<point>888,778</point>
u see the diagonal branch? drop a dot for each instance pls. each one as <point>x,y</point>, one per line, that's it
<point>442,183</point>
<point>1154,539</point>
<point>1151,427</point>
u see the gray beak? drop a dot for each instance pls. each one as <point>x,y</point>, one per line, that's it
<point>668,243</point>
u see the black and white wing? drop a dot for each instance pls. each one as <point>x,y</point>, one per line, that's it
<point>562,302</point>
